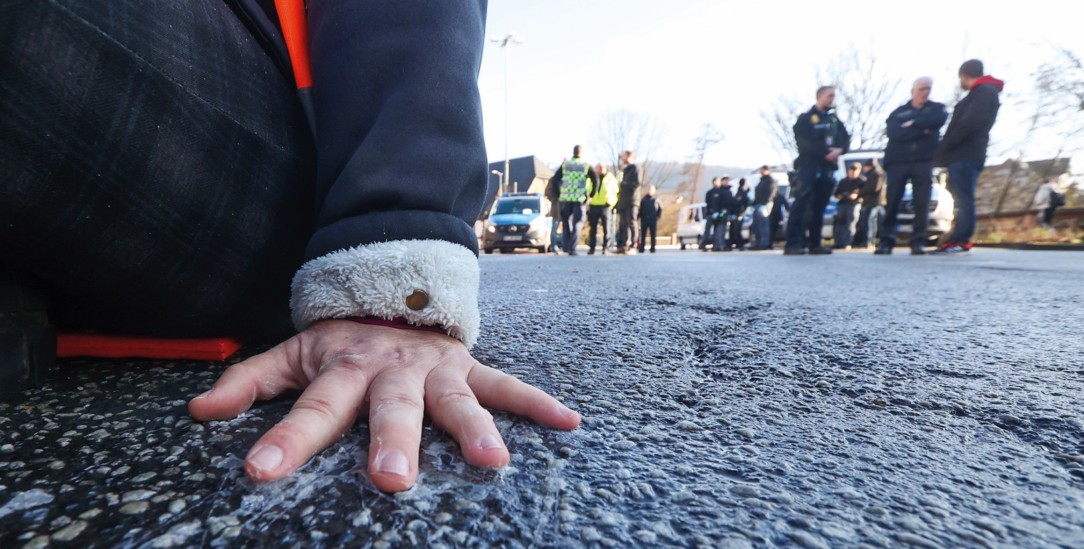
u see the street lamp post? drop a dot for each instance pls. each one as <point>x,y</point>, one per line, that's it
<point>505,43</point>
<point>500,181</point>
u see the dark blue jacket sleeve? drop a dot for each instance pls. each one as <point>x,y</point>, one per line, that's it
<point>399,138</point>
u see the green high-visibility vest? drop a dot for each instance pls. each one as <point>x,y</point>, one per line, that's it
<point>574,180</point>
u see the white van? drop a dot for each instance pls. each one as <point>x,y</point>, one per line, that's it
<point>690,227</point>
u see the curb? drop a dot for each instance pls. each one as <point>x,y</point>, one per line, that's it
<point>1034,247</point>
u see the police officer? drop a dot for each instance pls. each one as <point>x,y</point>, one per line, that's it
<point>719,200</point>
<point>573,174</point>
<point>821,138</point>
<point>602,198</point>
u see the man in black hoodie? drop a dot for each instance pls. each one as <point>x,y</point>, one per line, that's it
<point>913,131</point>
<point>821,138</point>
<point>963,150</point>
<point>718,202</point>
<point>626,204</point>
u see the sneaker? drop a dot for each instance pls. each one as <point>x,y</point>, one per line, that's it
<point>883,249</point>
<point>820,250</point>
<point>794,251</point>
<point>953,248</point>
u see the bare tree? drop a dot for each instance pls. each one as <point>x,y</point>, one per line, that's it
<point>708,137</point>
<point>624,130</point>
<point>865,95</point>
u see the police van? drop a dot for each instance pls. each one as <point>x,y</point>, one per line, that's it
<point>517,220</point>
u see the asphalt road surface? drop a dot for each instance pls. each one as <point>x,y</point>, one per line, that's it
<point>729,400</point>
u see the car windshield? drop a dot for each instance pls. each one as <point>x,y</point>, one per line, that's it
<point>516,206</point>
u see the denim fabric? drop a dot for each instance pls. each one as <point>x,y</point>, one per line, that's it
<point>869,225</point>
<point>812,191</point>
<point>920,174</point>
<point>571,225</point>
<point>709,234</point>
<point>158,168</point>
<point>720,232</point>
<point>761,229</point>
<point>846,219</point>
<point>555,233</point>
<point>962,178</point>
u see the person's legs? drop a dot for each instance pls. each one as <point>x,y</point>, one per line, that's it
<point>643,237</point>
<point>802,192</point>
<point>592,232</point>
<point>709,234</point>
<point>577,226</point>
<point>873,223</point>
<point>158,169</point>
<point>604,213</point>
<point>566,228</point>
<point>896,181</point>
<point>622,229</point>
<point>822,193</point>
<point>554,226</point>
<point>654,234</point>
<point>1048,216</point>
<point>718,234</point>
<point>963,176</point>
<point>921,174</point>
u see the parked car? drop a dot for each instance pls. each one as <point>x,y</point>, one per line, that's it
<point>517,220</point>
<point>690,227</point>
<point>941,204</point>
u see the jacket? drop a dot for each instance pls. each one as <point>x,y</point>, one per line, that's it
<point>848,186</point>
<point>968,132</point>
<point>873,190</point>
<point>650,209</point>
<point>401,171</point>
<point>630,185</point>
<point>739,202</point>
<point>918,141</point>
<point>718,200</point>
<point>574,186</point>
<point>765,191</point>
<point>604,193</point>
<point>816,132</point>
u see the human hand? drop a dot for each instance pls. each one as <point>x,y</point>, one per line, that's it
<point>346,369</point>
<point>833,154</point>
<point>908,124</point>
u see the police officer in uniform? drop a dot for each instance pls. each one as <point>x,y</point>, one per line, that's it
<point>602,198</point>
<point>821,138</point>
<point>573,175</point>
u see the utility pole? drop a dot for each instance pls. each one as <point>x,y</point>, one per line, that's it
<point>506,44</point>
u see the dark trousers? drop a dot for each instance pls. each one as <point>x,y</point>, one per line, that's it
<point>814,188</point>
<point>709,233</point>
<point>920,174</point>
<point>571,225</point>
<point>719,232</point>
<point>869,224</point>
<point>158,171</point>
<point>846,219</point>
<point>598,215</point>
<point>648,226</point>
<point>963,176</point>
<point>735,238</point>
<point>626,228</point>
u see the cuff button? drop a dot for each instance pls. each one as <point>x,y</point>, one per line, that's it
<point>417,300</point>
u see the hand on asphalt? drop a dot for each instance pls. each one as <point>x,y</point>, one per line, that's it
<point>346,369</point>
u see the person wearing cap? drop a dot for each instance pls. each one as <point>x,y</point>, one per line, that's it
<point>963,150</point>
<point>821,138</point>
<point>763,198</point>
<point>847,194</point>
<point>914,129</point>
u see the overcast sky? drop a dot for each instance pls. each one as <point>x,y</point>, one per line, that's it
<point>694,61</point>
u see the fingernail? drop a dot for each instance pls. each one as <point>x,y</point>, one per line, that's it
<point>394,463</point>
<point>205,394</point>
<point>490,442</point>
<point>266,458</point>
<point>566,411</point>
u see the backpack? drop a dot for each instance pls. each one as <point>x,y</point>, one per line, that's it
<point>1057,199</point>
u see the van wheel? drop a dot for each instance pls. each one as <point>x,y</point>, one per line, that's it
<point>489,250</point>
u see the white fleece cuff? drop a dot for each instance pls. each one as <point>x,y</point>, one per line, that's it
<point>376,279</point>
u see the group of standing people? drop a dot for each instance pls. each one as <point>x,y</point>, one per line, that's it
<point>914,148</point>
<point>577,187</point>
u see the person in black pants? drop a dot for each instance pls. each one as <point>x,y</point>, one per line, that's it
<point>718,203</point>
<point>913,133</point>
<point>736,215</point>
<point>650,212</point>
<point>821,138</point>
<point>847,193</point>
